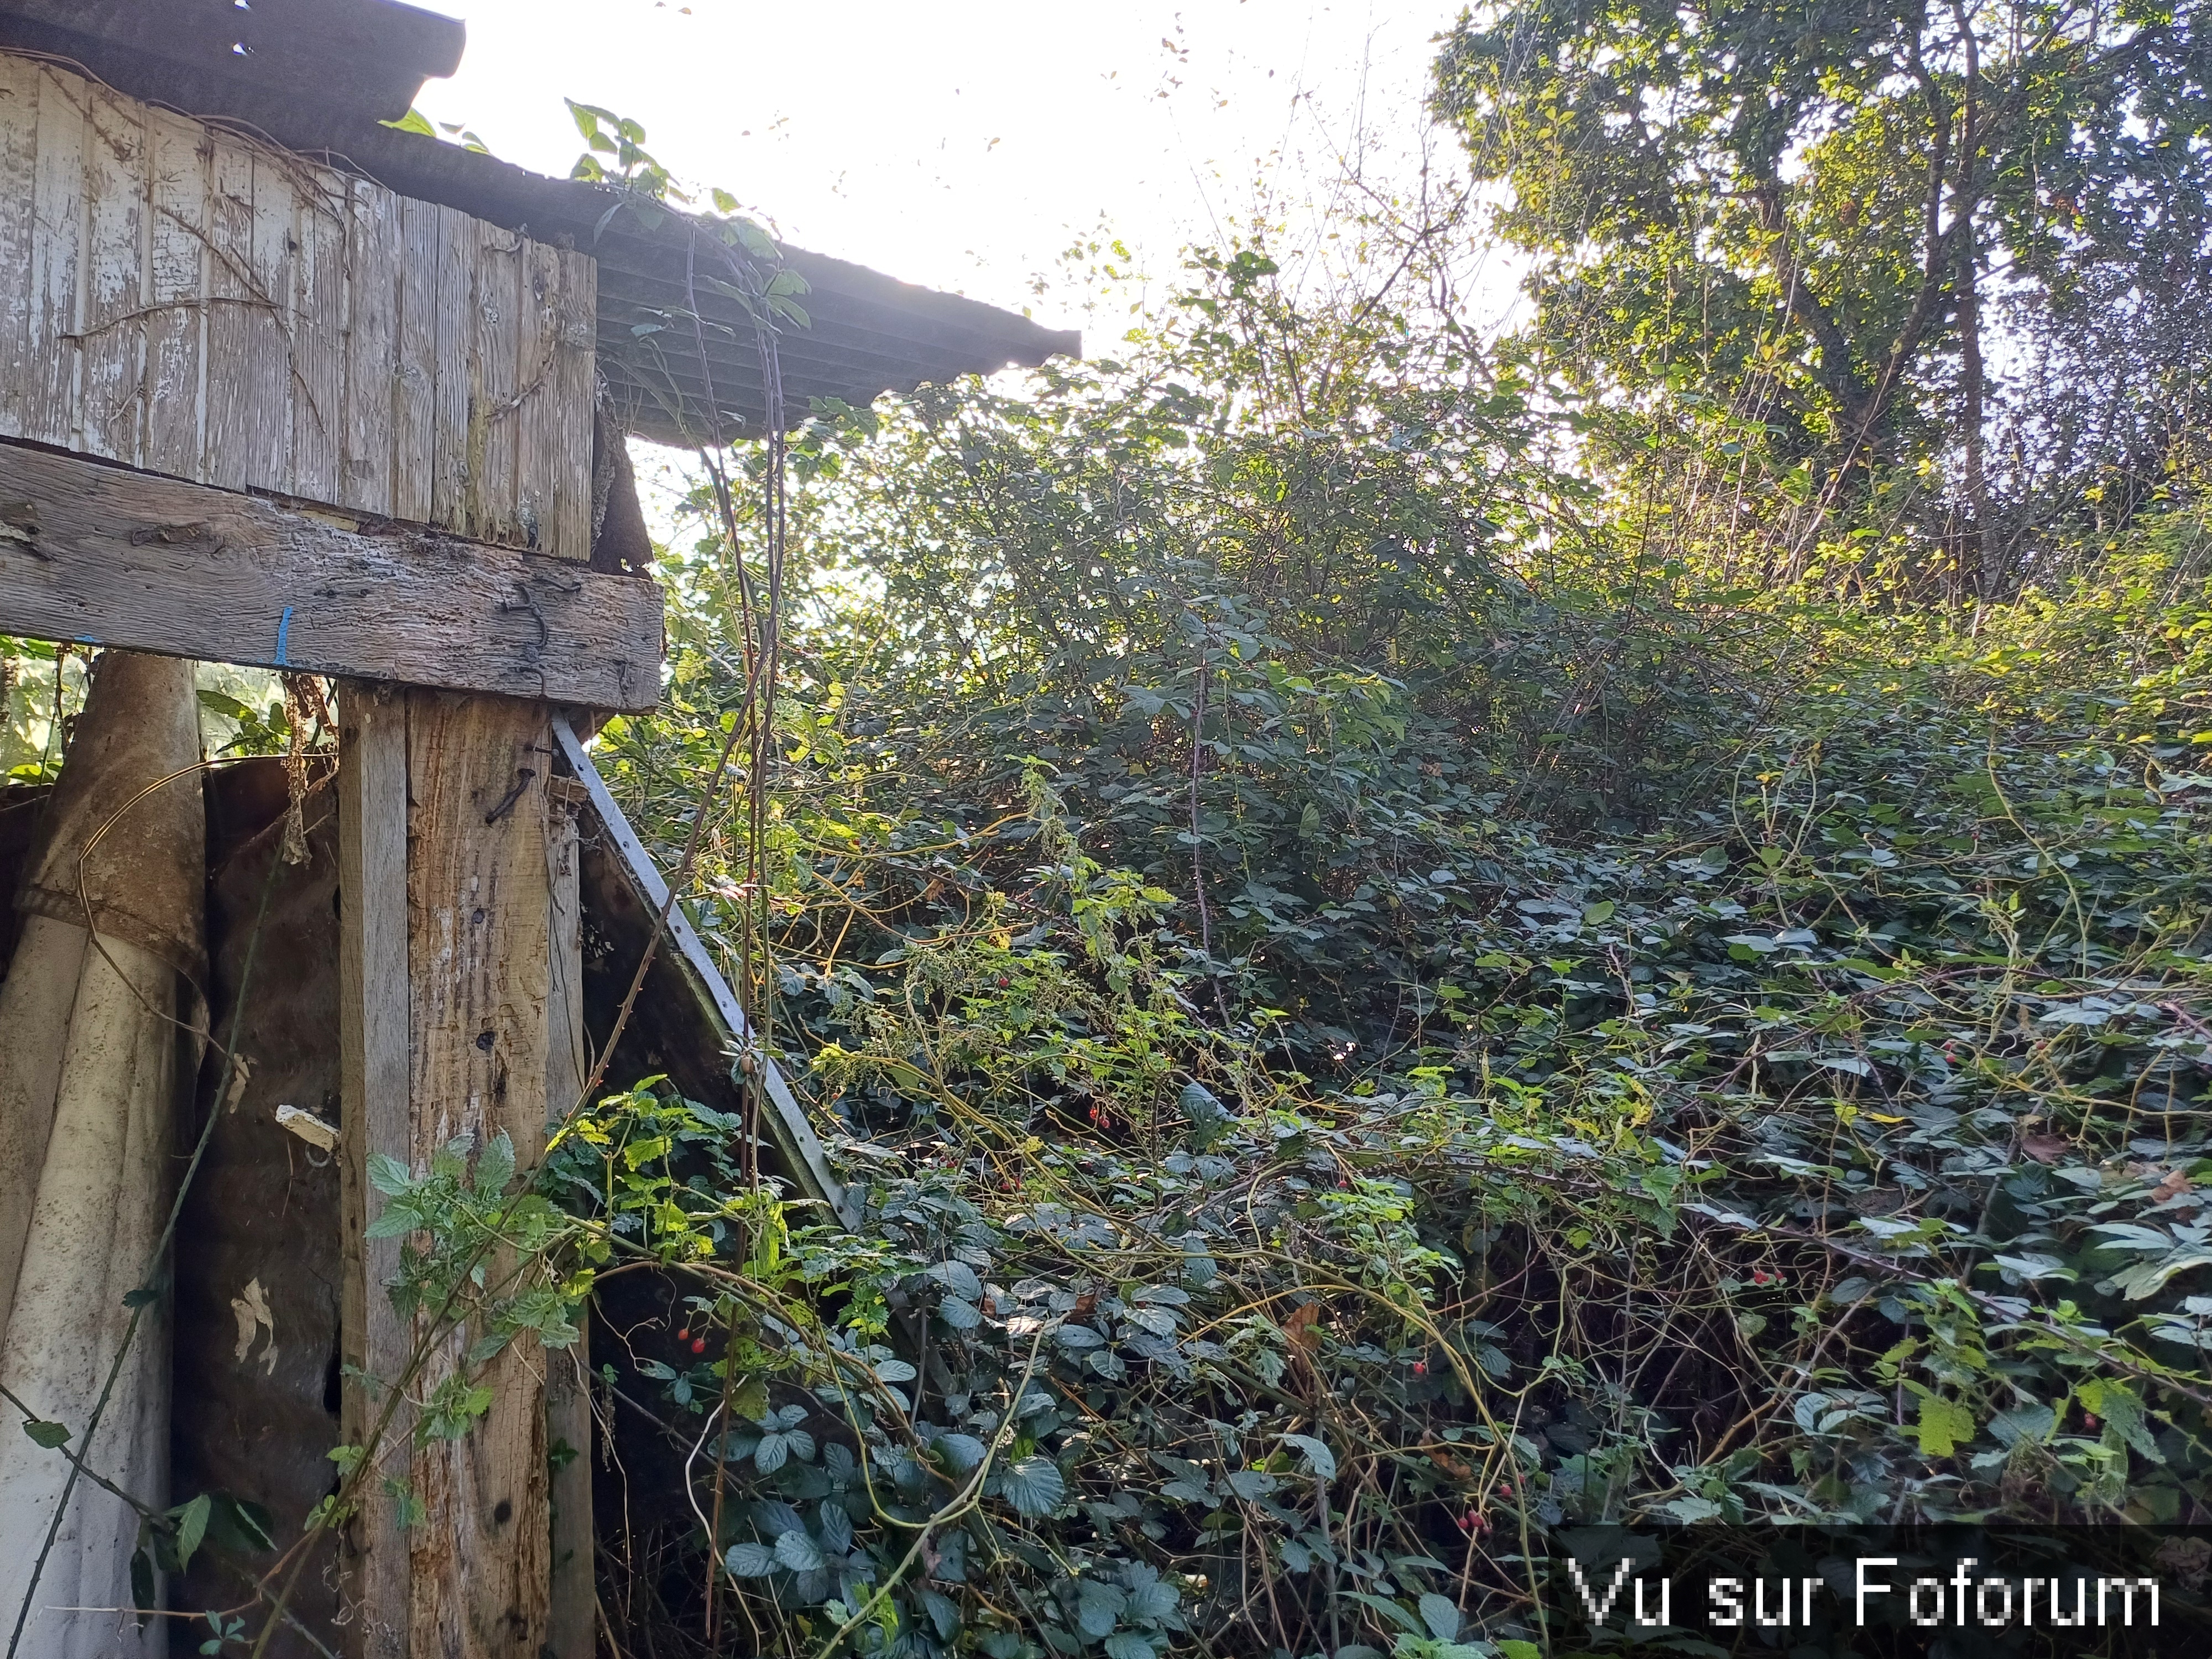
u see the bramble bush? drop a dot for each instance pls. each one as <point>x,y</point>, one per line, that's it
<point>1384,1013</point>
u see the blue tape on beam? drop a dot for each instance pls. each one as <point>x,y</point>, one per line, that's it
<point>283,635</point>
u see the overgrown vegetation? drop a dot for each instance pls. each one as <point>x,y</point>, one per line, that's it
<point>1410,942</point>
<point>1413,946</point>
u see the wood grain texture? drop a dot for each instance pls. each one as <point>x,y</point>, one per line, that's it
<point>494,400</point>
<point>318,334</point>
<point>570,1630</point>
<point>155,564</point>
<point>478,904</point>
<point>414,403</point>
<point>365,479</point>
<point>191,300</point>
<point>56,260</point>
<point>575,387</point>
<point>177,257</point>
<point>373,1034</point>
<point>19,149</point>
<point>111,329</point>
<point>450,337</point>
<point>226,443</point>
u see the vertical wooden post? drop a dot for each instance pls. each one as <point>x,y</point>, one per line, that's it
<point>567,1375</point>
<point>372,1028</point>
<point>478,951</point>
<point>458,784</point>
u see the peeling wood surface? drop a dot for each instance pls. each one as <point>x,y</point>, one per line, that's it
<point>106,556</point>
<point>479,924</point>
<point>178,298</point>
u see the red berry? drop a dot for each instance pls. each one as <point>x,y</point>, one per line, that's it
<point>698,1344</point>
<point>684,1336</point>
<point>1420,1367</point>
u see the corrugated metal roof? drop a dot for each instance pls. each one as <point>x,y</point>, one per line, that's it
<point>368,57</point>
<point>319,77</point>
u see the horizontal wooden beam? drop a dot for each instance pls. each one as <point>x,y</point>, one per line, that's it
<point>99,555</point>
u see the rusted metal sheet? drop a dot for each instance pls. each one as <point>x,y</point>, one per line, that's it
<point>256,1358</point>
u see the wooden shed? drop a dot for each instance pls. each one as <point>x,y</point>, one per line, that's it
<point>282,385</point>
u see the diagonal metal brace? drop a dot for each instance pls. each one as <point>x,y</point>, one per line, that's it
<point>786,1122</point>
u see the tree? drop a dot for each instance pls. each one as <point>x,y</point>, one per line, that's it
<point>1877,228</point>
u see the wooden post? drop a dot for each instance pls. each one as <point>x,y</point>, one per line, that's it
<point>567,1375</point>
<point>471,1578</point>
<point>372,1029</point>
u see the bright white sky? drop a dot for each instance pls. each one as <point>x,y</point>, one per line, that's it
<point>961,144</point>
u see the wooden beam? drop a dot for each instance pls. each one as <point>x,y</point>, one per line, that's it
<point>478,900</point>
<point>100,554</point>
<point>373,1034</point>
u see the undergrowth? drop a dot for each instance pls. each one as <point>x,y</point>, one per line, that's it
<point>1828,1146</point>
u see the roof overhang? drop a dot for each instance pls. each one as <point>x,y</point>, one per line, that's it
<point>681,360</point>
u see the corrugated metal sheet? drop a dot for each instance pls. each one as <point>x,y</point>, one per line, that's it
<point>368,55</point>
<point>869,334</point>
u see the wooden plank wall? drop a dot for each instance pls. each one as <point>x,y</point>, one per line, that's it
<point>182,298</point>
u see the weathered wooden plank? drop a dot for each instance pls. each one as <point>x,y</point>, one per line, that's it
<point>575,394</point>
<point>130,559</point>
<point>570,1631</point>
<point>373,1034</point>
<point>231,303</point>
<point>479,957</point>
<point>453,314</point>
<point>272,377</point>
<point>112,334</point>
<point>537,420</point>
<point>57,261</point>
<point>501,269</point>
<point>317,332</point>
<point>176,288</point>
<point>371,343</point>
<point>19,149</point>
<point>414,424</point>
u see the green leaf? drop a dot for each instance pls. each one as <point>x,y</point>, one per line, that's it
<point>413,121</point>
<point>1034,1486</point>
<point>1391,1610</point>
<point>798,1551</point>
<point>962,1451</point>
<point>51,1436</point>
<point>1441,1615</point>
<point>191,1527</point>
<point>145,1593</point>
<point>495,1166</point>
<point>1943,1426</point>
<point>388,1174</point>
<point>1319,1458</point>
<point>750,1560</point>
